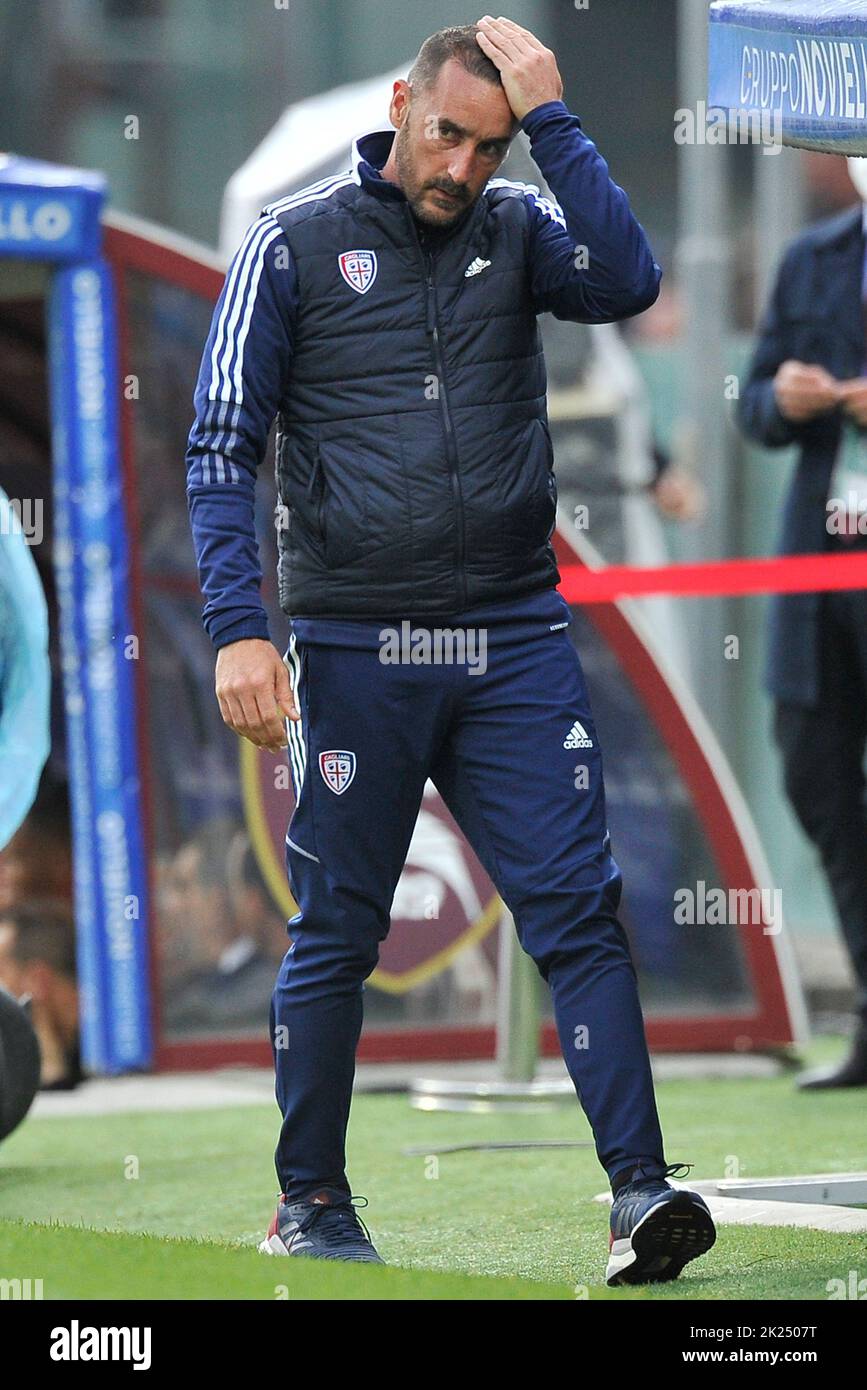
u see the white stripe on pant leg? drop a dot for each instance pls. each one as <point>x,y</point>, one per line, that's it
<point>295,726</point>
<point>294,731</point>
<point>292,768</point>
<point>291,741</point>
<point>287,725</point>
<point>298,724</point>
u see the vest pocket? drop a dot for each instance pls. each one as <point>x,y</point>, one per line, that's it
<point>341,510</point>
<point>319,480</point>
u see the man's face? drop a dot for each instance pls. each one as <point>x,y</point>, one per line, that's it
<point>451,139</point>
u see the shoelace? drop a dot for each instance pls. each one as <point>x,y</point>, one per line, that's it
<point>672,1170</point>
<point>340,1221</point>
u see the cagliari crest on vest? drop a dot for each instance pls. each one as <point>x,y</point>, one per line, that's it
<point>358,269</point>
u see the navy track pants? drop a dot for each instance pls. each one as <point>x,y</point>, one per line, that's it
<point>505,746</point>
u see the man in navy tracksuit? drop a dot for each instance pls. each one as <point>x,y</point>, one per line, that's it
<point>388,318</point>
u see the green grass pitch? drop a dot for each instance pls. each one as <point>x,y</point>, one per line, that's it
<point>495,1225</point>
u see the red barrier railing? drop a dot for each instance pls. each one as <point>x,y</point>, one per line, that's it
<point>787,574</point>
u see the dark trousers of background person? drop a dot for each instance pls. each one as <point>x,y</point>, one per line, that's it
<point>823,759</point>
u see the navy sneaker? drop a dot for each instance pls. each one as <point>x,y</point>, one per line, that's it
<point>655,1228</point>
<point>323,1226</point>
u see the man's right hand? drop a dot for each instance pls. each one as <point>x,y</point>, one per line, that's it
<point>254,692</point>
<point>804,390</point>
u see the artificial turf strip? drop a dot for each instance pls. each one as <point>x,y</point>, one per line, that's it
<point>82,1264</point>
<point>208,1175</point>
<point>77,1263</point>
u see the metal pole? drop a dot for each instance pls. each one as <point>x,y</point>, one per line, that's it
<point>780,212</point>
<point>702,274</point>
<point>518,1011</point>
<point>518,1019</point>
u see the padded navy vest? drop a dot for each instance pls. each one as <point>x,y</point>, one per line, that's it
<point>414,462</point>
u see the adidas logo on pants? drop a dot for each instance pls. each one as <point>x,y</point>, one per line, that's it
<point>578,737</point>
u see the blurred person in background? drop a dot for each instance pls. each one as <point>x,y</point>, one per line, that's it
<point>807,386</point>
<point>37,862</point>
<point>37,964</point>
<point>219,932</point>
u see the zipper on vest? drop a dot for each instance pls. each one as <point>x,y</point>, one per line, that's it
<point>432,325</point>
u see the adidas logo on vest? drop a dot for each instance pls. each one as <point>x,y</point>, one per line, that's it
<point>476,268</point>
<point>578,737</point>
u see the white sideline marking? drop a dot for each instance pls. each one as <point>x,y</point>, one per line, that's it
<point>829,1189</point>
<point>739,1211</point>
<point>255,1085</point>
<point>113,1095</point>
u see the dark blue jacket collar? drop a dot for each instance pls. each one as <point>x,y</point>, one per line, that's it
<point>369,154</point>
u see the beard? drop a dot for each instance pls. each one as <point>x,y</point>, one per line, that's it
<point>415,190</point>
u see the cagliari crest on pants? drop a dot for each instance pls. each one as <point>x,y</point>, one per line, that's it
<point>337,766</point>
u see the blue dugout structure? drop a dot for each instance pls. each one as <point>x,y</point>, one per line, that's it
<point>52,215</point>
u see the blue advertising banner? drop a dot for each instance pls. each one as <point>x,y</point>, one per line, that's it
<point>52,214</point>
<point>48,213</point>
<point>91,982</point>
<point>806,62</point>
<point>99,649</point>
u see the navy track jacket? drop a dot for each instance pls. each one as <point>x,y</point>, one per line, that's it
<point>414,464</point>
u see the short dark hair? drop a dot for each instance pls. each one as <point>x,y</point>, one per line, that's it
<point>459,43</point>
